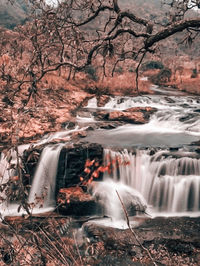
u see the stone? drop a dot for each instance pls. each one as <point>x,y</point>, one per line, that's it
<point>113,238</point>
<point>74,201</point>
<point>135,115</point>
<point>101,115</point>
<point>130,117</point>
<point>187,117</point>
<point>72,163</point>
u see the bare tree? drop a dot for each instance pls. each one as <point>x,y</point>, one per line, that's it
<point>75,34</point>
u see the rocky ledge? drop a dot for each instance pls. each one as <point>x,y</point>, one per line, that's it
<point>76,201</point>
<point>134,115</point>
<point>170,241</point>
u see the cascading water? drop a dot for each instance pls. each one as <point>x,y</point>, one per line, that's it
<point>42,193</point>
<point>143,166</point>
<point>175,123</point>
<point>168,184</point>
<point>44,181</point>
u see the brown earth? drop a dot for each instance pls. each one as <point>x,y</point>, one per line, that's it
<point>55,105</point>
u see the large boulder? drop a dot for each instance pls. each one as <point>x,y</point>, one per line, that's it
<point>72,163</point>
<point>130,117</point>
<point>134,115</point>
<point>75,201</point>
<point>114,196</point>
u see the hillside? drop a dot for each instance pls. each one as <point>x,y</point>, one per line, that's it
<point>12,14</point>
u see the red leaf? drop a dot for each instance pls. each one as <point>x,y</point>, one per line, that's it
<point>87,170</point>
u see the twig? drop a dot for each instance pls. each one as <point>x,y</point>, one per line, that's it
<point>77,249</point>
<point>51,242</point>
<point>131,229</point>
<point>38,227</point>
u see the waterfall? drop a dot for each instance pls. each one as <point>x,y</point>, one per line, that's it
<point>107,191</point>
<point>44,181</point>
<point>168,184</point>
<point>42,193</point>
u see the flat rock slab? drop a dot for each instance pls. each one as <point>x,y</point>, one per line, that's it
<point>180,235</point>
<point>134,115</point>
<point>74,201</point>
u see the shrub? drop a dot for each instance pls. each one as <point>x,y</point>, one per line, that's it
<point>194,73</point>
<point>119,70</point>
<point>163,76</point>
<point>92,72</point>
<point>152,65</point>
<point>131,70</point>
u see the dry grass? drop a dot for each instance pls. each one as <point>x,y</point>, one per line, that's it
<point>184,82</point>
<point>123,84</point>
<point>38,242</point>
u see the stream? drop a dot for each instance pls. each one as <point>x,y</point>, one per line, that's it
<point>163,160</point>
<point>157,162</point>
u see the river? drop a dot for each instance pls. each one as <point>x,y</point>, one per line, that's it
<point>164,161</point>
<point>162,157</point>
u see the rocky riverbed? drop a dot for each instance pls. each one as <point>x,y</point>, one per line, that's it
<point>170,241</point>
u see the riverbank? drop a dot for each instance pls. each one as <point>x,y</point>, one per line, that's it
<point>58,240</point>
<point>54,105</point>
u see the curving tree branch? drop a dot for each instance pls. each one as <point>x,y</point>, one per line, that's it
<point>75,34</point>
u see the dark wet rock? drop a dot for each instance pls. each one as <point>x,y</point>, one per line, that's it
<point>179,246</point>
<point>110,260</point>
<point>104,125</point>
<point>178,235</point>
<point>198,150</point>
<point>31,158</point>
<point>90,128</point>
<point>197,110</point>
<point>110,125</point>
<point>113,238</point>
<point>102,115</point>
<point>185,105</point>
<point>72,162</point>
<point>174,148</point>
<point>169,100</point>
<point>195,143</point>
<point>75,201</point>
<point>68,124</point>
<point>187,117</point>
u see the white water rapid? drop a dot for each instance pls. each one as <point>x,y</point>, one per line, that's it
<point>157,162</point>
<point>168,184</point>
<point>42,191</point>
<point>176,122</point>
<point>157,158</point>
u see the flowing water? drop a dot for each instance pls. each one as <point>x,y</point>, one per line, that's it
<point>44,183</point>
<point>42,193</point>
<point>156,163</point>
<point>169,184</point>
<point>176,122</point>
<point>156,159</point>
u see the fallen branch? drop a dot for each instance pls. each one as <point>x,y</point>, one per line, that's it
<point>132,231</point>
